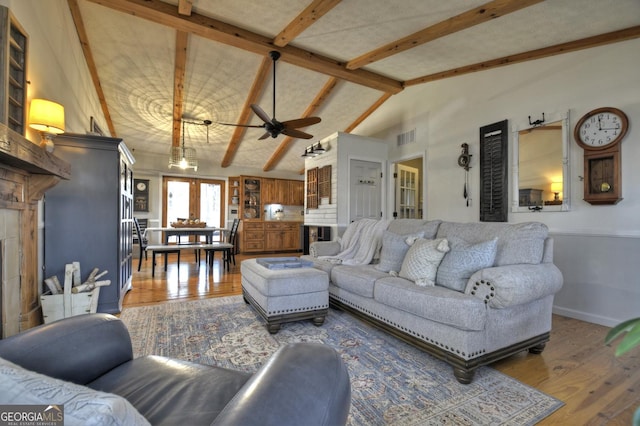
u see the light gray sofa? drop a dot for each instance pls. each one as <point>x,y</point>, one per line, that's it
<point>493,292</point>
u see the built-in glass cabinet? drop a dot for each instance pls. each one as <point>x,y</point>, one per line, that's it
<point>252,201</point>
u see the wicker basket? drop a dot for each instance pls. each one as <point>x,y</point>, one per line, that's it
<point>188,225</point>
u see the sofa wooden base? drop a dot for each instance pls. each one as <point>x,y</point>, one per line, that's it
<point>463,369</point>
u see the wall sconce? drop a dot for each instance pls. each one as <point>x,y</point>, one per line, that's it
<point>556,188</point>
<point>313,150</point>
<point>47,117</point>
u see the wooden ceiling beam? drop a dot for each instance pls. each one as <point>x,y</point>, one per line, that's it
<point>558,49</point>
<point>245,114</point>
<point>304,20</point>
<point>179,71</point>
<point>91,63</point>
<point>212,29</point>
<point>317,102</point>
<point>184,7</point>
<point>479,15</point>
<point>368,112</point>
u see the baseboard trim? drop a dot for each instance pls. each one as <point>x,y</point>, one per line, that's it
<point>586,316</point>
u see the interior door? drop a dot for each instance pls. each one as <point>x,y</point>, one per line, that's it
<point>407,191</point>
<point>365,192</point>
<point>190,198</point>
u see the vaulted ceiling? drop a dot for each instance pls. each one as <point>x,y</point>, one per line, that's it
<point>155,63</point>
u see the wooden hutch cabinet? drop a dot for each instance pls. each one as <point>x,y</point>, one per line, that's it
<point>89,218</point>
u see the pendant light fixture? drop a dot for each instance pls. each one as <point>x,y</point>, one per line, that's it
<point>183,157</point>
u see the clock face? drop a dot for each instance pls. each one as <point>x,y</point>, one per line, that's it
<point>601,128</point>
<point>141,186</point>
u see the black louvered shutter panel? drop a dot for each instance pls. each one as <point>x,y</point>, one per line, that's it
<point>494,196</point>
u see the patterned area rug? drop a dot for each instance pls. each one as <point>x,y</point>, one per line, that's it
<point>392,382</point>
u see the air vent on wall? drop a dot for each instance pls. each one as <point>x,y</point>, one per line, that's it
<point>406,137</point>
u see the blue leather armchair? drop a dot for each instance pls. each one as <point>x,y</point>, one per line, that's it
<point>302,383</point>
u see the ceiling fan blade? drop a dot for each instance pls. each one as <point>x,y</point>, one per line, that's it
<point>301,122</point>
<point>260,113</point>
<point>260,126</point>
<point>296,133</point>
<point>266,135</point>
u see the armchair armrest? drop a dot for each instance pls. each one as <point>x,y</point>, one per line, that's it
<point>302,383</point>
<point>511,285</point>
<point>324,248</point>
<point>77,349</point>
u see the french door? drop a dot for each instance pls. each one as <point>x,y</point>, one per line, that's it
<point>407,192</point>
<point>190,198</point>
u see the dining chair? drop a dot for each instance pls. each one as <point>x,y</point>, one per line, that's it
<point>143,242</point>
<point>227,247</point>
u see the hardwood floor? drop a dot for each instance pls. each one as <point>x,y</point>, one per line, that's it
<point>576,367</point>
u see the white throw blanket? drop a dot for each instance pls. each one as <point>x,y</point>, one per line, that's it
<point>360,242</point>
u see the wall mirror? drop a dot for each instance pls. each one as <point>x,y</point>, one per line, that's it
<point>541,165</point>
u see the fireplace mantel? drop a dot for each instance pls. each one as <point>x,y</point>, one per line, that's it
<point>26,172</point>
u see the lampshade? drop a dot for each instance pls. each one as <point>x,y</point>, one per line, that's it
<point>46,116</point>
<point>556,187</point>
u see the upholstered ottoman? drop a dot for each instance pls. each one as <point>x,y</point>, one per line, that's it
<point>288,294</point>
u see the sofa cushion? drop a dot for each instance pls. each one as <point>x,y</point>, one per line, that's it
<point>82,405</point>
<point>462,260</point>
<point>411,226</point>
<point>394,248</point>
<point>438,304</point>
<point>422,260</point>
<point>517,242</point>
<point>358,279</point>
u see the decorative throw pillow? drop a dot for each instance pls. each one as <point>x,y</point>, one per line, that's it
<point>421,262</point>
<point>463,260</point>
<point>82,405</point>
<point>394,248</point>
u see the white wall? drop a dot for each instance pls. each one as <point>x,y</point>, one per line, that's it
<point>449,112</point>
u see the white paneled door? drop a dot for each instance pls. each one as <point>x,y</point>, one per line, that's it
<point>365,192</point>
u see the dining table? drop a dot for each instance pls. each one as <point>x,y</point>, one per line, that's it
<point>169,231</point>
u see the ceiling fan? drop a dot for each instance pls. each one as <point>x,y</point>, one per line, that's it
<point>274,127</point>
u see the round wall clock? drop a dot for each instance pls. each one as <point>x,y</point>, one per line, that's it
<point>601,128</point>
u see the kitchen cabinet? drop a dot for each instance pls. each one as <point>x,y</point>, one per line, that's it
<point>282,236</point>
<point>253,237</point>
<point>283,191</point>
<point>296,192</point>
<point>89,218</point>
<point>251,198</point>
<point>257,235</point>
<point>269,195</point>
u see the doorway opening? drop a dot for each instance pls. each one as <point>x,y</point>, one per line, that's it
<point>408,189</point>
<point>193,199</point>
